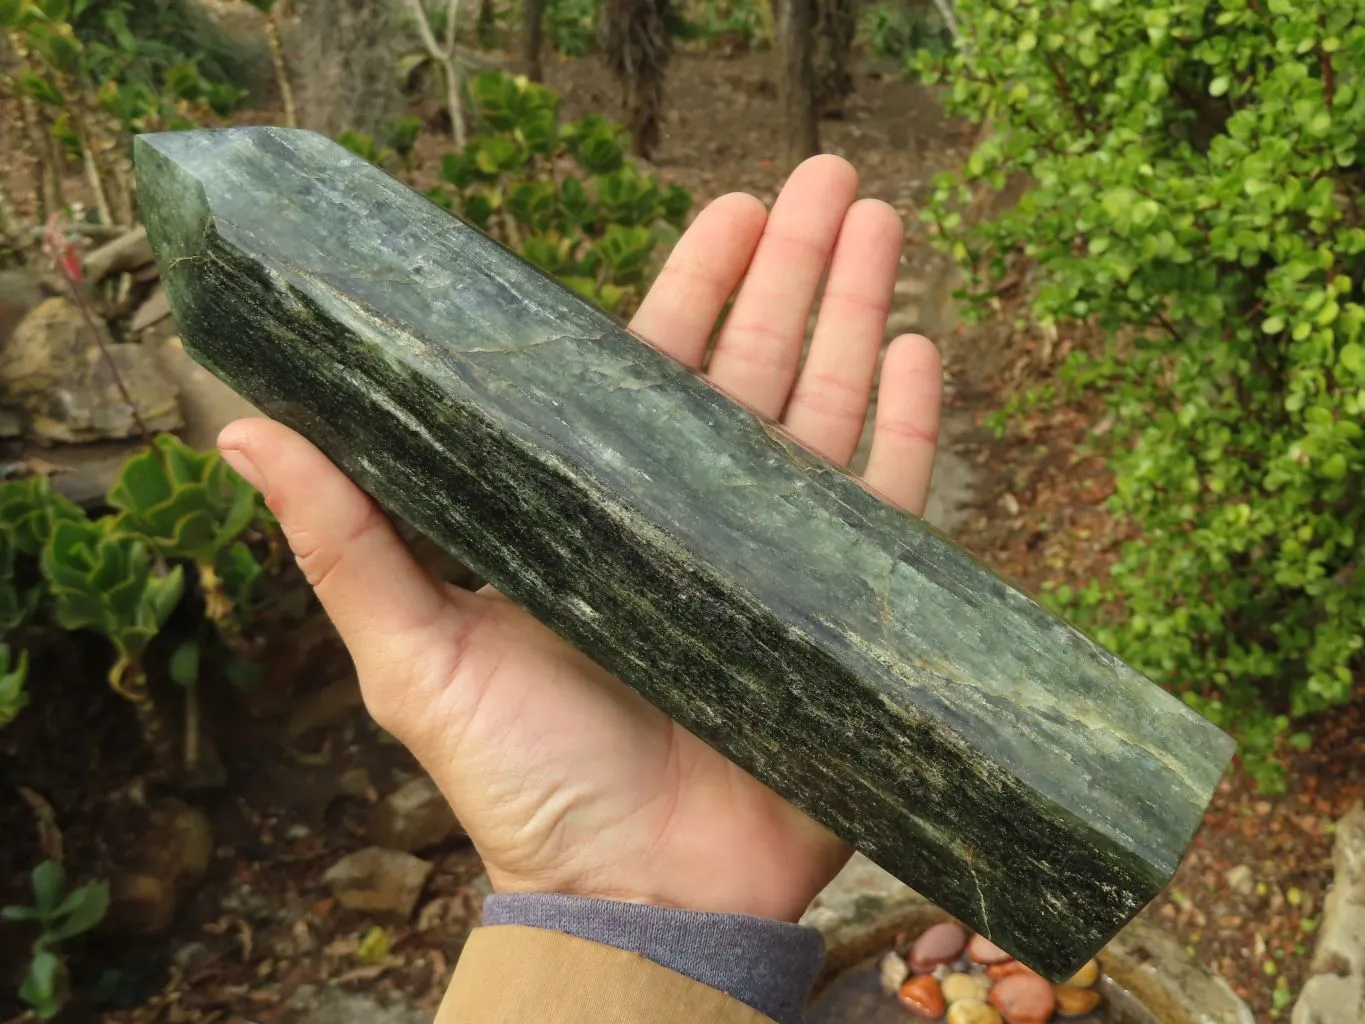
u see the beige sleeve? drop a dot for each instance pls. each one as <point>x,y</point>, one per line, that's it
<point>511,974</point>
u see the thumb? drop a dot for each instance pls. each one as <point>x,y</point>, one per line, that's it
<point>372,588</point>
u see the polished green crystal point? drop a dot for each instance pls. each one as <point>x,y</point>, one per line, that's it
<point>841,650</point>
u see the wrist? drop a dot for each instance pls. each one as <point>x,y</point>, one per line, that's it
<point>714,899</point>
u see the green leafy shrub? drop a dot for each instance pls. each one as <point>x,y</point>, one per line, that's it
<point>191,506</point>
<point>149,40</point>
<point>563,195</point>
<point>29,510</point>
<point>748,21</point>
<point>1198,196</point>
<point>95,78</point>
<point>895,29</point>
<point>59,918</point>
<point>571,26</point>
<point>179,517</point>
<point>106,583</point>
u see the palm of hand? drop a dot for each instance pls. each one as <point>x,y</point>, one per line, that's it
<point>566,779</point>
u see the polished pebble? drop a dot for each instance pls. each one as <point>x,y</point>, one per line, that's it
<point>1072,1001</point>
<point>923,996</point>
<point>894,970</point>
<point>984,951</point>
<point>972,1011</point>
<point>1023,999</point>
<point>1087,975</point>
<point>957,987</point>
<point>1006,968</point>
<point>941,944</point>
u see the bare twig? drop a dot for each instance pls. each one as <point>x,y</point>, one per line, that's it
<point>45,818</point>
<point>447,60</point>
<point>945,11</point>
<point>92,169</point>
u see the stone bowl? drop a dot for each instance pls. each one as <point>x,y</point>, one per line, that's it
<point>1148,977</point>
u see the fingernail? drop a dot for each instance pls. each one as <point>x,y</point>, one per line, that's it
<point>241,462</point>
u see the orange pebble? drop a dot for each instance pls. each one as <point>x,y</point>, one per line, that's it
<point>923,996</point>
<point>1024,999</point>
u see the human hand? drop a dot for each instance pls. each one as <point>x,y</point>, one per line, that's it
<point>566,779</point>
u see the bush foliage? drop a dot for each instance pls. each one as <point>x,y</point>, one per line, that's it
<point>178,530</point>
<point>1197,194</point>
<point>564,195</point>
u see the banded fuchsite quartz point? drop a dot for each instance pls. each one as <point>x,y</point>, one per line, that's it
<point>839,649</point>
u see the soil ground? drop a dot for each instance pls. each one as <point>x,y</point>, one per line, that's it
<point>263,923</point>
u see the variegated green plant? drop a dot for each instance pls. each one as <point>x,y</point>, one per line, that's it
<point>106,582</point>
<point>28,509</point>
<point>191,505</point>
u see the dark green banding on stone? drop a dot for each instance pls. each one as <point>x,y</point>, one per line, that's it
<point>841,650</point>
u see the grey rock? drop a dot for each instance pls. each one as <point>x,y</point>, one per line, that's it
<point>354,782</point>
<point>1241,880</point>
<point>55,377</point>
<point>378,880</point>
<point>333,1006</point>
<point>325,708</point>
<point>413,817</point>
<point>85,472</point>
<point>206,403</point>
<point>172,856</point>
<point>1335,993</point>
<point>191,955</point>
<point>20,291</point>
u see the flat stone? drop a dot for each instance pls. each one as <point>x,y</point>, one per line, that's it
<point>1335,992</point>
<point>127,252</point>
<point>1330,999</point>
<point>152,312</point>
<point>957,987</point>
<point>923,997</point>
<point>378,880</point>
<point>413,817</point>
<point>170,858</point>
<point>940,944</point>
<point>844,653</point>
<point>984,951</point>
<point>1023,999</point>
<point>972,1011</point>
<point>207,405</point>
<point>21,290</point>
<point>337,1006</point>
<point>55,376</point>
